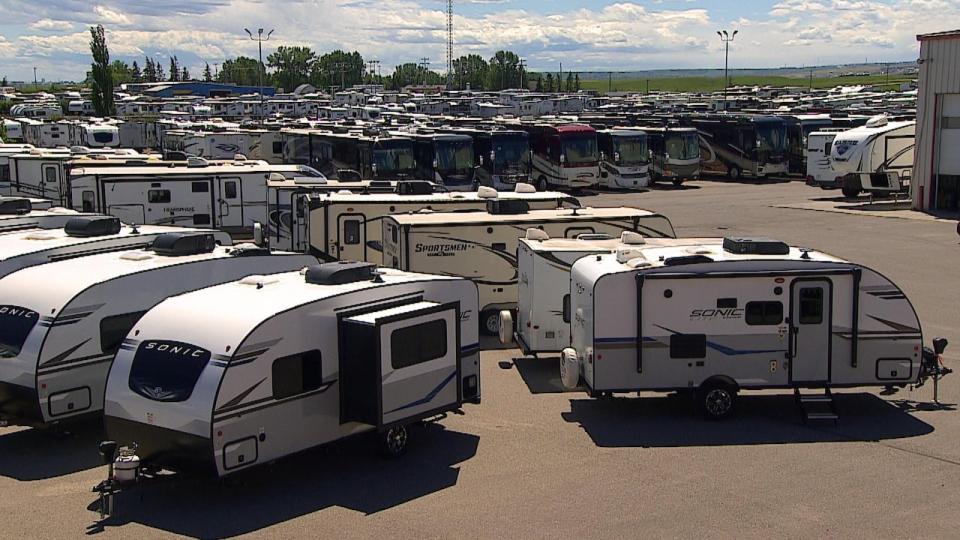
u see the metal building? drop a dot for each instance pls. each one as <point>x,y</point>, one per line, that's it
<point>936,168</point>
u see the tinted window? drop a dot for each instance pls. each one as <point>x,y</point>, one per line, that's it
<point>15,325</point>
<point>200,187</point>
<point>688,346</point>
<point>103,136</point>
<point>811,305</point>
<point>230,190</point>
<point>88,201</point>
<point>113,329</point>
<point>278,147</point>
<point>50,174</point>
<point>351,231</point>
<point>764,313</point>
<point>566,308</point>
<point>417,344</point>
<point>158,195</point>
<point>296,374</point>
<point>167,370</point>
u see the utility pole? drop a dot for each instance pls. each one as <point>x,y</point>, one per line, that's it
<point>424,66</point>
<point>648,86</point>
<point>341,67</point>
<point>726,39</point>
<point>523,75</point>
<point>609,82</point>
<point>260,39</point>
<point>34,75</point>
<point>216,70</point>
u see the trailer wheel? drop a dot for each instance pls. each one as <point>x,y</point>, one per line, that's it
<point>734,172</point>
<point>393,442</point>
<point>716,400</point>
<point>677,182</point>
<point>851,186</point>
<point>490,322</point>
<point>542,183</point>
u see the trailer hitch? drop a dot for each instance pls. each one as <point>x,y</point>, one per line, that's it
<point>931,366</point>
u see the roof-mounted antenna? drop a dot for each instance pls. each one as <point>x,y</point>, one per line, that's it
<point>805,254</point>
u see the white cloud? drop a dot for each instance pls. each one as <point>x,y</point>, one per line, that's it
<point>52,24</point>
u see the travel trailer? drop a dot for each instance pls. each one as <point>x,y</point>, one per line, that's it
<point>81,236</point>
<point>719,316</point>
<point>310,357</point>
<point>60,339</point>
<point>347,226</point>
<point>221,195</point>
<point>742,145</point>
<point>820,171</point>
<point>675,154</point>
<point>43,172</point>
<point>564,155</point>
<point>93,135</point>
<point>624,158</point>
<point>482,245</point>
<point>7,150</point>
<point>876,157</point>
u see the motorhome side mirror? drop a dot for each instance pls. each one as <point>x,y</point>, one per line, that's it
<point>108,451</point>
<point>939,345</point>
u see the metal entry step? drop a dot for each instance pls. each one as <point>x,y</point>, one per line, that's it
<point>816,407</point>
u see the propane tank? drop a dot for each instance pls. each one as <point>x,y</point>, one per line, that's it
<point>126,468</point>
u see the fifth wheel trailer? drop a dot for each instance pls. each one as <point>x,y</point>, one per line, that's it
<point>737,314</point>
<point>57,341</point>
<point>310,357</point>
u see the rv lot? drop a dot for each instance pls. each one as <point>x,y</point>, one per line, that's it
<point>534,462</point>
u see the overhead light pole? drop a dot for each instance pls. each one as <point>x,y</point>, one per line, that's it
<point>726,39</point>
<point>260,39</point>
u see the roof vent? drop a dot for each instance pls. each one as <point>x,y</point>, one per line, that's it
<point>339,273</point>
<point>249,250</point>
<point>507,207</point>
<point>537,234</point>
<point>755,246</point>
<point>277,177</point>
<point>414,187</point>
<point>631,238</point>
<point>181,244</point>
<point>14,206</point>
<point>196,162</point>
<point>79,150</point>
<point>86,227</point>
<point>523,187</point>
<point>628,254</point>
<point>239,157</point>
<point>486,192</point>
<point>687,259</point>
<point>879,120</point>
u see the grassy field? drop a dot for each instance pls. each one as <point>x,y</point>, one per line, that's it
<point>714,84</point>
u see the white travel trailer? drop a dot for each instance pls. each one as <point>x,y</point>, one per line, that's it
<point>81,236</point>
<point>820,171</point>
<point>308,358</point>
<point>7,150</point>
<point>14,130</point>
<point>346,226</point>
<point>138,134</point>
<point>876,157</point>
<point>94,135</point>
<point>58,340</point>
<point>219,144</point>
<point>43,172</point>
<point>229,196</point>
<point>719,316</point>
<point>482,245</point>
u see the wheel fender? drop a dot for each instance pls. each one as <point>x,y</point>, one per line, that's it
<point>570,368</point>
<point>721,380</point>
<point>506,327</point>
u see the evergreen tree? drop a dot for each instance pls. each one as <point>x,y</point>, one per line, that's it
<point>539,87</point>
<point>102,95</point>
<point>184,74</point>
<point>135,73</point>
<point>576,82</point>
<point>207,76</point>
<point>549,82</point>
<point>160,75</point>
<point>174,69</point>
<point>149,70</point>
<point>569,87</point>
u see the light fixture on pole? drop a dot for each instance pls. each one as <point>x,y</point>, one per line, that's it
<point>726,39</point>
<point>260,39</point>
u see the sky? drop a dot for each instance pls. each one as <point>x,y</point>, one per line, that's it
<point>53,36</point>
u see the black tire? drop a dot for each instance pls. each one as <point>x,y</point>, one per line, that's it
<point>393,442</point>
<point>716,400</point>
<point>734,172</point>
<point>490,322</point>
<point>542,184</point>
<point>677,182</point>
<point>851,187</point>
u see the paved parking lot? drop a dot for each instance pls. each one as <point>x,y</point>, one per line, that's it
<point>535,462</point>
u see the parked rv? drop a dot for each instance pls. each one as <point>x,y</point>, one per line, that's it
<point>444,159</point>
<point>309,358</point>
<point>820,171</point>
<point>624,158</point>
<point>502,156</point>
<point>799,128</point>
<point>43,172</point>
<point>352,155</point>
<point>60,339</point>
<point>675,154</point>
<point>565,156</point>
<point>876,158</point>
<point>742,145</point>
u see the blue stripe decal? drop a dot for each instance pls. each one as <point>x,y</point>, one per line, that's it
<point>429,397</point>
<point>469,348</point>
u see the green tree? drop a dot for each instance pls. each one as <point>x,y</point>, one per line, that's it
<point>207,76</point>
<point>292,66</point>
<point>159,67</point>
<point>569,87</point>
<point>539,87</point>
<point>135,74</point>
<point>549,88</point>
<point>338,68</point>
<point>576,82</point>
<point>102,95</point>
<point>121,72</point>
<point>471,70</point>
<point>504,71</point>
<point>4,81</point>
<point>242,70</point>
<point>184,74</point>
<point>149,70</point>
<point>174,69</point>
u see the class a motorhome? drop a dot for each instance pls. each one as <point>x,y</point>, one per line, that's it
<point>718,316</point>
<point>81,236</point>
<point>59,339</point>
<point>502,156</point>
<point>675,153</point>
<point>799,128</point>
<point>543,290</point>
<point>742,145</point>
<point>482,245</point>
<point>224,195</point>
<point>352,155</point>
<point>347,225</point>
<point>624,158</point>
<point>564,155</point>
<point>876,157</point>
<point>446,159</point>
<point>820,171</point>
<point>308,358</point>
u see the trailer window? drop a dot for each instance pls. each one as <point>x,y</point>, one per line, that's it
<point>566,308</point>
<point>15,325</point>
<point>278,148</point>
<point>200,187</point>
<point>158,196</point>
<point>417,344</point>
<point>296,374</point>
<point>88,201</point>
<point>166,370</point>
<point>115,328</point>
<point>811,305</point>
<point>764,313</point>
<point>230,190</point>
<point>351,232</point>
<point>688,346</point>
<point>50,174</point>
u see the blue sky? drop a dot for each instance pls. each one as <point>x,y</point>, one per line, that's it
<point>584,35</point>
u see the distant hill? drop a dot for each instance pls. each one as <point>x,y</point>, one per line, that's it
<point>898,68</point>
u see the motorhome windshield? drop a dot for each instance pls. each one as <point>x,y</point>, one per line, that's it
<point>771,137</point>
<point>167,370</point>
<point>454,155</point>
<point>580,148</point>
<point>683,145</point>
<point>631,150</point>
<point>394,157</point>
<point>511,150</point>
<point>15,325</point>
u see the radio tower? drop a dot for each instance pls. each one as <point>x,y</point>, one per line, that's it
<point>449,44</point>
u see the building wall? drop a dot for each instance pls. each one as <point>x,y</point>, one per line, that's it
<point>939,75</point>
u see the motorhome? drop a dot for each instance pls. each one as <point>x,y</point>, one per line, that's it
<point>564,155</point>
<point>542,322</point>
<point>799,128</point>
<point>353,155</point>
<point>820,171</point>
<point>310,357</point>
<point>223,195</point>
<point>876,158</point>
<point>502,156</point>
<point>624,158</point>
<point>444,158</point>
<point>81,236</point>
<point>719,316</point>
<point>59,340</point>
<point>675,153</point>
<point>482,245</point>
<point>742,145</point>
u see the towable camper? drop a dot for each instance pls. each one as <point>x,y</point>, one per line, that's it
<point>81,236</point>
<point>308,358</point>
<point>482,245</point>
<point>44,172</point>
<point>724,315</point>
<point>59,339</point>
<point>820,171</point>
<point>876,157</point>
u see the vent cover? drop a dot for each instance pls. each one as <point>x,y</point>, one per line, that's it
<point>86,227</point>
<point>339,273</point>
<point>755,246</point>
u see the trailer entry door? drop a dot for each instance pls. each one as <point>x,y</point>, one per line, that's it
<point>810,321</point>
<point>230,201</point>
